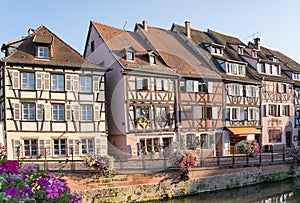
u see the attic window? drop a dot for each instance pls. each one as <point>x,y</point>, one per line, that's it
<point>240,50</point>
<point>43,52</point>
<point>152,59</point>
<point>216,50</point>
<point>254,54</point>
<point>129,55</point>
<point>92,46</point>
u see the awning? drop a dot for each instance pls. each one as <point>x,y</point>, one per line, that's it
<point>241,131</point>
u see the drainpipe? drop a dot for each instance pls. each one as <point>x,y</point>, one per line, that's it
<point>177,112</point>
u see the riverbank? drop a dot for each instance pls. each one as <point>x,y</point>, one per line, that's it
<point>167,184</point>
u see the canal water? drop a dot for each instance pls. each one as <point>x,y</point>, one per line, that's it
<point>280,192</point>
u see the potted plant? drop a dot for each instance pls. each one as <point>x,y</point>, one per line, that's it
<point>249,147</point>
<point>143,122</point>
<point>185,162</point>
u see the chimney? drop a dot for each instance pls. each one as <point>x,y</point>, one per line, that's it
<point>188,29</point>
<point>145,25</point>
<point>30,31</point>
<point>257,43</point>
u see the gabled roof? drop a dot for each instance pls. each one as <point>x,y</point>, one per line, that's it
<point>202,39</point>
<point>118,40</point>
<point>62,55</point>
<point>177,54</point>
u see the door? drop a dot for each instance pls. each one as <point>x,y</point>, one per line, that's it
<point>288,137</point>
<point>219,144</point>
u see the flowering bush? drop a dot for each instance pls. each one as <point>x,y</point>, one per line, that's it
<point>104,165</point>
<point>187,160</point>
<point>2,152</point>
<point>249,147</point>
<point>29,184</point>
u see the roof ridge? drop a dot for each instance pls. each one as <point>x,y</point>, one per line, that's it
<point>109,26</point>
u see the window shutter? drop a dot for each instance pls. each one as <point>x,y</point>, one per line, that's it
<point>41,147</point>
<point>230,89</point>
<point>76,112</point>
<point>278,113</point>
<point>15,78</point>
<point>96,83</point>
<point>165,85</point>
<point>17,111</point>
<point>196,86</point>
<point>70,147</point>
<point>48,147</point>
<point>214,112</point>
<point>264,110</point>
<point>240,90</point>
<point>97,111</point>
<point>158,84</point>
<point>47,110</point>
<point>231,113</point>
<point>39,80</point>
<point>68,82</point>
<point>98,146</point>
<point>209,87</point>
<point>227,113</point>
<point>76,147</point>
<point>15,146</point>
<point>197,112</point>
<point>39,112</point>
<point>242,114</point>
<point>256,114</point>
<point>46,81</point>
<point>76,83</point>
<point>68,112</point>
<point>247,90</point>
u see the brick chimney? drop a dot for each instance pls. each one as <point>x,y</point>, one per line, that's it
<point>188,29</point>
<point>257,43</point>
<point>145,25</point>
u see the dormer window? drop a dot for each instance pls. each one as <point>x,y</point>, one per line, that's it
<point>152,59</point>
<point>274,58</point>
<point>43,52</point>
<point>240,50</point>
<point>296,76</point>
<point>261,68</point>
<point>254,54</point>
<point>130,55</point>
<point>235,69</point>
<point>216,50</point>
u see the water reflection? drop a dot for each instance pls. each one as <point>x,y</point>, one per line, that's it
<point>279,192</point>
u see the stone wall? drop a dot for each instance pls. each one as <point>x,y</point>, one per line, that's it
<point>142,187</point>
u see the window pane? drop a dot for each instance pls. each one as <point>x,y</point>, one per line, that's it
<point>85,84</point>
<point>28,81</point>
<point>58,82</point>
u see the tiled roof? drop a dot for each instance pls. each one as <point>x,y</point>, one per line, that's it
<point>61,54</point>
<point>178,55</point>
<point>117,40</point>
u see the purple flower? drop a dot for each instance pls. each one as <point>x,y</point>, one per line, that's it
<point>26,190</point>
<point>11,167</point>
<point>43,182</point>
<point>11,180</point>
<point>30,168</point>
<point>12,192</point>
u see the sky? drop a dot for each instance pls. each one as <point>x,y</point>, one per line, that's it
<point>275,22</point>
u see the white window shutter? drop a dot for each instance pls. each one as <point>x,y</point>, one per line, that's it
<point>227,114</point>
<point>76,147</point>
<point>257,114</point>
<point>17,111</point>
<point>196,86</point>
<point>68,112</point>
<point>15,79</point>
<point>39,112</point>
<point>47,111</point>
<point>98,146</point>
<point>96,83</point>
<point>158,85</point>
<point>247,90</point>
<point>214,112</point>
<point>242,114</point>
<point>165,84</point>
<point>97,112</point>
<point>76,83</point>
<point>240,90</point>
<point>39,80</point>
<point>231,113</point>
<point>46,81</point>
<point>76,112</point>
<point>210,87</point>
<point>68,82</point>
<point>48,147</point>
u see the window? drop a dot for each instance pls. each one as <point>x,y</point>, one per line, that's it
<point>182,86</point>
<point>283,88</point>
<point>142,112</point>
<point>85,83</point>
<point>286,110</point>
<point>234,89</point>
<point>60,147</point>
<point>190,141</point>
<point>261,68</point>
<point>272,110</point>
<point>86,112</point>
<point>152,59</point>
<point>240,50</point>
<point>235,69</point>
<point>31,148</point>
<point>28,111</point>
<point>235,114</point>
<point>203,142</point>
<point>87,146</point>
<point>58,82</point>
<point>129,55</point>
<point>297,118</point>
<point>216,50</point>
<point>142,84</point>
<point>296,76</point>
<point>189,85</point>
<point>251,114</point>
<point>161,114</point>
<point>202,87</point>
<point>251,91</point>
<point>198,112</point>
<point>275,70</point>
<point>254,54</point>
<point>28,81</point>
<point>92,46</point>
<point>43,52</point>
<point>161,84</point>
<point>208,113</point>
<point>58,112</point>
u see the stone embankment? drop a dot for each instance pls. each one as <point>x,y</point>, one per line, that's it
<point>167,184</point>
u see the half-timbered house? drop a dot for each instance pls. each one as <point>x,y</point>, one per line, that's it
<point>277,103</point>
<point>241,92</point>
<point>140,91</point>
<point>52,99</point>
<point>198,92</point>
